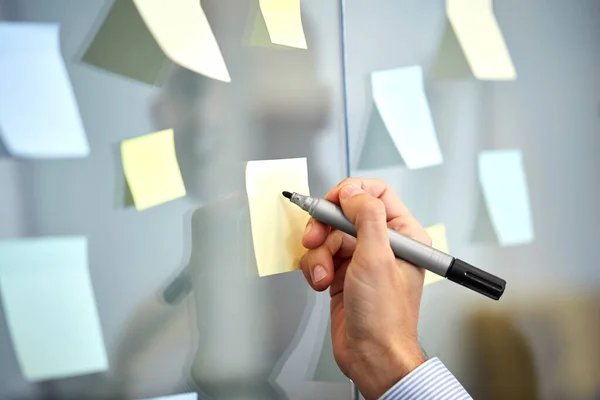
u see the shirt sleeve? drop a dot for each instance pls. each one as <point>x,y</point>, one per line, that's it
<point>430,381</point>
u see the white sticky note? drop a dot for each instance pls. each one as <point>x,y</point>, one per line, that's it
<point>504,186</point>
<point>182,31</point>
<point>284,22</point>
<point>400,97</point>
<point>183,396</point>
<point>50,307</point>
<point>277,224</point>
<point>479,35</point>
<point>39,116</point>
<point>437,233</point>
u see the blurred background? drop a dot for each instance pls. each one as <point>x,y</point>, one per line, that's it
<point>178,310</point>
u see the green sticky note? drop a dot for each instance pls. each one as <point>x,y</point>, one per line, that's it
<point>124,45</point>
<point>50,307</point>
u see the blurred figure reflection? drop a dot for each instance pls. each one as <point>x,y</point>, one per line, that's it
<point>245,323</point>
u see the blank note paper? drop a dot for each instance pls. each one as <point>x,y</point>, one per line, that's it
<point>39,116</point>
<point>504,187</point>
<point>399,96</point>
<point>439,242</point>
<point>284,22</point>
<point>151,169</point>
<point>479,35</point>
<point>50,307</point>
<point>182,31</point>
<point>184,396</point>
<point>124,45</point>
<point>277,224</point>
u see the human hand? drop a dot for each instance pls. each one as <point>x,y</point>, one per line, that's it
<point>375,298</point>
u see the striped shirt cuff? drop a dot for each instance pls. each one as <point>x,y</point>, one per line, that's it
<point>431,380</point>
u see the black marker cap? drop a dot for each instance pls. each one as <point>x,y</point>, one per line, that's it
<point>475,279</point>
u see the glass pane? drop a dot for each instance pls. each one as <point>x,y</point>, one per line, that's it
<point>170,292</point>
<point>540,339</point>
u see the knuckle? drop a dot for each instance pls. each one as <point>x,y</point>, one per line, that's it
<point>372,210</point>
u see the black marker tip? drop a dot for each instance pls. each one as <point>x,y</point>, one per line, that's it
<point>287,195</point>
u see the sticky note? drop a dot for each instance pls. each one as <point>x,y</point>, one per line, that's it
<point>504,187</point>
<point>479,35</point>
<point>123,45</point>
<point>378,150</point>
<point>184,396</point>
<point>437,233</point>
<point>151,169</point>
<point>50,307</point>
<point>182,31</point>
<point>39,116</point>
<point>284,22</point>
<point>399,95</point>
<point>277,225</point>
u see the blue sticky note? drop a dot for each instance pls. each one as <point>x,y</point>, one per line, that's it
<point>184,396</point>
<point>399,95</point>
<point>39,116</point>
<point>504,187</point>
<point>50,307</point>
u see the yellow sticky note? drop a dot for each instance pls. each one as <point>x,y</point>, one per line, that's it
<point>284,22</point>
<point>151,169</point>
<point>479,35</point>
<point>182,31</point>
<point>277,224</point>
<point>439,242</point>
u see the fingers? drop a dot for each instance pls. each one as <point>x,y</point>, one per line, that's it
<point>394,207</point>
<point>368,214</point>
<point>318,264</point>
<point>315,234</point>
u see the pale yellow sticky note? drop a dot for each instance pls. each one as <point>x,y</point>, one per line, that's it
<point>277,224</point>
<point>439,242</point>
<point>479,35</point>
<point>284,22</point>
<point>151,169</point>
<point>182,31</point>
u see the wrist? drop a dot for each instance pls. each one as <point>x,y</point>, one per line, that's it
<point>376,375</point>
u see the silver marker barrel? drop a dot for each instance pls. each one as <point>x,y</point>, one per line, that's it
<point>407,249</point>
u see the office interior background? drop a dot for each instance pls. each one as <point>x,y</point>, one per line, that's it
<point>174,301</point>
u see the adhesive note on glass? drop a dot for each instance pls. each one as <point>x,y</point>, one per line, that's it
<point>122,31</point>
<point>379,150</point>
<point>39,116</point>
<point>277,224</point>
<point>284,22</point>
<point>400,97</point>
<point>480,37</point>
<point>184,396</point>
<point>151,169</point>
<point>504,188</point>
<point>439,242</point>
<point>182,31</point>
<point>50,307</point>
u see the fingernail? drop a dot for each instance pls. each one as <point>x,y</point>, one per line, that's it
<point>349,191</point>
<point>308,228</point>
<point>318,273</point>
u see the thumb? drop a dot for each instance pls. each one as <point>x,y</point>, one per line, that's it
<point>368,214</point>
